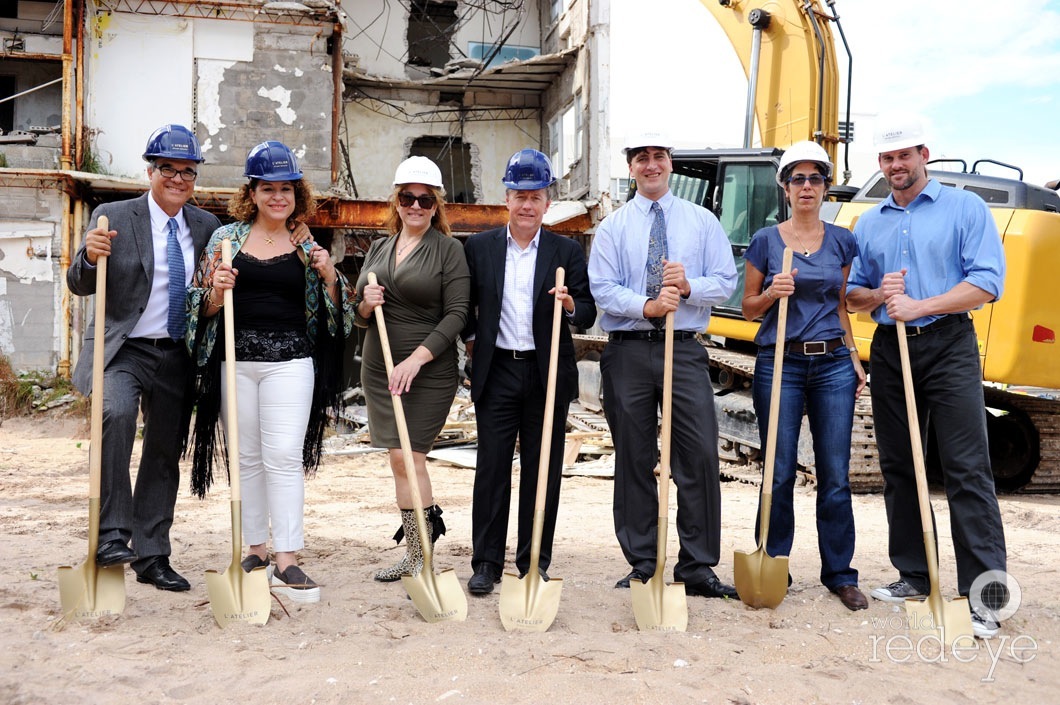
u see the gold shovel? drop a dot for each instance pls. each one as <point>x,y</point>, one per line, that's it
<point>762,579</point>
<point>235,596</point>
<point>947,621</point>
<point>656,605</point>
<point>530,603</point>
<point>438,598</point>
<point>89,591</point>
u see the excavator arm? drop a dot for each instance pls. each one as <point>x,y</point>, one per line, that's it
<point>788,54</point>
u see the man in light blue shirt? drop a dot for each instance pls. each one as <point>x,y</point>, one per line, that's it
<point>654,255</point>
<point>928,254</point>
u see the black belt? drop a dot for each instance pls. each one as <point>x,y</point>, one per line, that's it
<point>160,343</point>
<point>653,336</point>
<point>813,347</point>
<point>950,319</point>
<point>517,354</point>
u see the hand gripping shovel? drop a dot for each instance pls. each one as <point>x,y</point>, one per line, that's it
<point>439,598</point>
<point>530,603</point>
<point>946,621</point>
<point>89,591</point>
<point>656,605</point>
<point>235,596</point>
<point>762,579</point>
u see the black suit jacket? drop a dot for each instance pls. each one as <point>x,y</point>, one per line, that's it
<point>130,269</point>
<point>485,258</point>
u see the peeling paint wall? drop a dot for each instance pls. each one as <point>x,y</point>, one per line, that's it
<point>284,93</point>
<point>30,281</point>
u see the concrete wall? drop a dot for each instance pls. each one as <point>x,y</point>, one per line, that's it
<point>42,108</point>
<point>30,281</point>
<point>378,143</point>
<point>237,83</point>
<point>377,33</point>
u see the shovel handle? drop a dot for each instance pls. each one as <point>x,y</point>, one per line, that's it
<point>403,436</point>
<point>231,422</point>
<point>95,458</point>
<point>546,429</point>
<point>774,405</point>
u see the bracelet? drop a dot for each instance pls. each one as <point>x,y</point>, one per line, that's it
<point>211,302</point>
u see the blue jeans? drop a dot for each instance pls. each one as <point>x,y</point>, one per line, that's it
<point>824,386</point>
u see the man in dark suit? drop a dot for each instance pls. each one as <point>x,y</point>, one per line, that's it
<point>513,293</point>
<point>153,244</point>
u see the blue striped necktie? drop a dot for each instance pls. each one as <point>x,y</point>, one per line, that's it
<point>657,252</point>
<point>177,321</point>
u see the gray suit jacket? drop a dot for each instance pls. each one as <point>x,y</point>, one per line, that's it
<point>129,271</point>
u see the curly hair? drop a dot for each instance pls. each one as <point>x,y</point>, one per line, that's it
<point>439,221</point>
<point>242,206</point>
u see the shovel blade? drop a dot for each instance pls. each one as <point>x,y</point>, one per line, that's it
<point>761,580</point>
<point>237,596</point>
<point>439,598</point>
<point>658,606</point>
<point>945,620</point>
<point>529,603</point>
<point>90,592</point>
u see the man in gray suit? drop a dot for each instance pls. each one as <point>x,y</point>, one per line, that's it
<point>153,245</point>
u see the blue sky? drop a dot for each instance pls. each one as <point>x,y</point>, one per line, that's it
<point>985,74</point>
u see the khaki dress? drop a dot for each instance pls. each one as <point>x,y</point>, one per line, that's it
<point>427,300</point>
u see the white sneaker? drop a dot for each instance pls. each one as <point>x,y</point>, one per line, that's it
<point>295,584</point>
<point>898,591</point>
<point>984,627</point>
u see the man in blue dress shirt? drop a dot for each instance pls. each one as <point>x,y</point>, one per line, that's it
<point>682,247</point>
<point>929,254</point>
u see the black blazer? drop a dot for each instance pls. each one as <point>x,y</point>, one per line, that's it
<point>485,258</point>
<point>130,270</point>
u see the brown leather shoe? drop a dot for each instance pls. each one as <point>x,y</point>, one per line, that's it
<point>852,598</point>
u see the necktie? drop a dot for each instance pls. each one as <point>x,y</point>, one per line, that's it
<point>177,320</point>
<point>657,252</point>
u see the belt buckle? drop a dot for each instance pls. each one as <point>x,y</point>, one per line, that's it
<point>815,347</point>
<point>914,331</point>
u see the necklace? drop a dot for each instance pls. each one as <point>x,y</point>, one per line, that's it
<point>401,250</point>
<point>268,240</point>
<point>805,249</point>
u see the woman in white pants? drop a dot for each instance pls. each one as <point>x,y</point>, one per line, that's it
<point>292,311</point>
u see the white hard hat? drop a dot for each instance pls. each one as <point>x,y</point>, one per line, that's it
<point>647,139</point>
<point>898,131</point>
<point>418,170</point>
<point>805,151</point>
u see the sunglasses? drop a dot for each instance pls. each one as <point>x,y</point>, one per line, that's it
<point>426,201</point>
<point>799,180</point>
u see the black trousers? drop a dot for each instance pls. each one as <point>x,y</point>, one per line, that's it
<point>947,381</point>
<point>632,372</point>
<point>511,406</point>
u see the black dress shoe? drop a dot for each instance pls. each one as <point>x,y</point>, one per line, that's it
<point>114,553</point>
<point>711,587</point>
<point>633,575</point>
<point>482,582</point>
<point>159,574</point>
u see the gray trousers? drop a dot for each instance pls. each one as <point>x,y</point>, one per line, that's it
<point>142,377</point>
<point>632,373</point>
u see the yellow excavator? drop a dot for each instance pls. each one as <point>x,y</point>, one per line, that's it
<point>788,53</point>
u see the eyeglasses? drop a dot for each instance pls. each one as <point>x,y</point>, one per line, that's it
<point>800,179</point>
<point>185,174</point>
<point>426,201</point>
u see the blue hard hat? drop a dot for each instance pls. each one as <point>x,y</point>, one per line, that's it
<point>272,161</point>
<point>173,142</point>
<point>528,170</point>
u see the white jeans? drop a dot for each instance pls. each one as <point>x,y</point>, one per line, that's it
<point>273,400</point>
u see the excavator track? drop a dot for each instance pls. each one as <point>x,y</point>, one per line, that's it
<point>1025,441</point>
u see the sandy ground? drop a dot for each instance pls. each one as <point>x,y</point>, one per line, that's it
<point>366,643</point>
